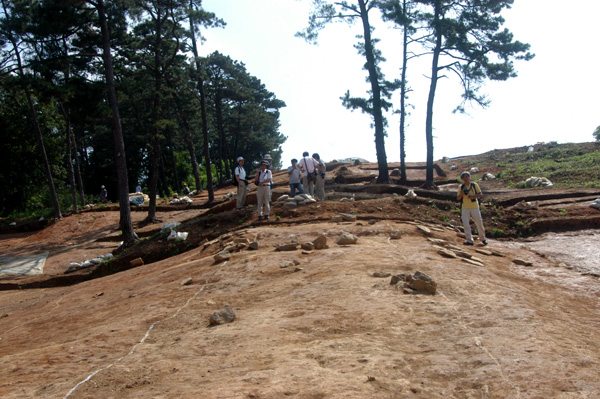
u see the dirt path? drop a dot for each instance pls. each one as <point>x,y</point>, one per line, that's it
<point>325,328</point>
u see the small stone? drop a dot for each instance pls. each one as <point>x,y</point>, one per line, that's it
<point>253,245</point>
<point>337,219</point>
<point>437,241</point>
<point>446,253</point>
<point>424,229</point>
<point>346,239</point>
<point>372,221</point>
<point>307,246</point>
<point>136,262</point>
<point>381,274</point>
<point>222,256</point>
<point>422,282</point>
<point>400,278</point>
<point>225,315</point>
<point>286,264</point>
<point>348,217</point>
<point>298,269</point>
<point>320,242</point>
<point>472,262</point>
<point>187,281</point>
<point>306,252</point>
<point>522,262</point>
<point>484,252</point>
<point>396,234</point>
<point>287,247</point>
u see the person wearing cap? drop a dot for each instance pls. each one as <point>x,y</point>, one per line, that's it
<point>263,180</point>
<point>240,176</point>
<point>269,160</point>
<point>103,195</point>
<point>468,194</point>
<point>320,183</point>
<point>295,174</point>
<point>309,166</point>
<point>186,189</point>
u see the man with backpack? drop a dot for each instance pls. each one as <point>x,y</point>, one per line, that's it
<point>240,181</point>
<point>309,166</point>
<point>469,194</point>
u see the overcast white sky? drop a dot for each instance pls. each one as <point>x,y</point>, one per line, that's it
<point>554,98</point>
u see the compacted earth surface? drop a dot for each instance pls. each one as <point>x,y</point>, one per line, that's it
<point>519,318</point>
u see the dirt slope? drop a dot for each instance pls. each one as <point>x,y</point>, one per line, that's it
<point>323,328</point>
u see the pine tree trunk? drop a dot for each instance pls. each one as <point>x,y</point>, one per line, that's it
<point>403,177</point>
<point>384,176</point>
<point>129,236</point>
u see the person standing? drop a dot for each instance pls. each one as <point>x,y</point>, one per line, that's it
<point>263,180</point>
<point>320,183</point>
<point>469,193</point>
<point>103,194</point>
<point>309,166</point>
<point>295,174</point>
<point>240,177</point>
<point>269,160</point>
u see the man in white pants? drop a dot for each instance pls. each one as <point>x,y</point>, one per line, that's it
<point>240,176</point>
<point>468,193</point>
<point>309,166</point>
<point>320,184</point>
<point>263,179</point>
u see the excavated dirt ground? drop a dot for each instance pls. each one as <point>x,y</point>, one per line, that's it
<point>324,328</point>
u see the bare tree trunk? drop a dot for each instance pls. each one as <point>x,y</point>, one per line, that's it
<point>429,182</point>
<point>70,158</point>
<point>78,171</point>
<point>403,177</point>
<point>384,176</point>
<point>129,236</point>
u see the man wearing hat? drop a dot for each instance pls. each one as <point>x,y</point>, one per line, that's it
<point>263,180</point>
<point>468,193</point>
<point>240,176</point>
<point>269,160</point>
<point>103,194</point>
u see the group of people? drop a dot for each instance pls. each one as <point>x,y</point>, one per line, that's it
<point>309,173</point>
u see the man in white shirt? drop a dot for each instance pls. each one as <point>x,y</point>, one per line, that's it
<point>240,176</point>
<point>309,165</point>
<point>295,174</point>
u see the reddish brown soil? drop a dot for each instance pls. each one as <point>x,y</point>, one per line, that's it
<point>325,328</point>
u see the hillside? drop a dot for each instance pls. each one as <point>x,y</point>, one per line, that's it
<point>515,319</point>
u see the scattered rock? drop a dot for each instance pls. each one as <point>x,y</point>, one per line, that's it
<point>307,246</point>
<point>320,242</point>
<point>522,262</point>
<point>424,230</point>
<point>488,176</point>
<point>422,283</point>
<point>187,281</point>
<point>484,252</point>
<point>472,262</point>
<point>447,253</point>
<point>381,274</point>
<point>286,264</point>
<point>222,256</point>
<point>337,218</point>
<point>346,239</point>
<point>372,221</point>
<point>136,262</point>
<point>410,194</point>
<point>292,246</point>
<point>396,234</point>
<point>400,278</point>
<point>253,245</point>
<point>225,315</point>
<point>474,170</point>
<point>348,217</point>
<point>437,241</point>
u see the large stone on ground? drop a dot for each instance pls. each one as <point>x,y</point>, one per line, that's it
<point>225,315</point>
<point>346,239</point>
<point>222,256</point>
<point>287,247</point>
<point>320,242</point>
<point>423,283</point>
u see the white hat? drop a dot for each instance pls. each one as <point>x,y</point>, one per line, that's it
<point>267,157</point>
<point>240,159</point>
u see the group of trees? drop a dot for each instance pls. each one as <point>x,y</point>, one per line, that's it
<point>89,87</point>
<point>464,39</point>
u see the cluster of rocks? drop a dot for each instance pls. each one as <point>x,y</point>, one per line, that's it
<point>230,244</point>
<point>300,199</point>
<point>138,198</point>
<point>318,243</point>
<point>418,283</point>
<point>73,266</point>
<point>538,182</point>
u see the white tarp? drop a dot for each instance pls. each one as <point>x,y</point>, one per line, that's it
<point>23,265</point>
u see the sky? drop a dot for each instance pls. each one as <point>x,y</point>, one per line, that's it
<point>554,98</point>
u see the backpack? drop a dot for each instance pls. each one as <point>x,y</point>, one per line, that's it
<point>234,180</point>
